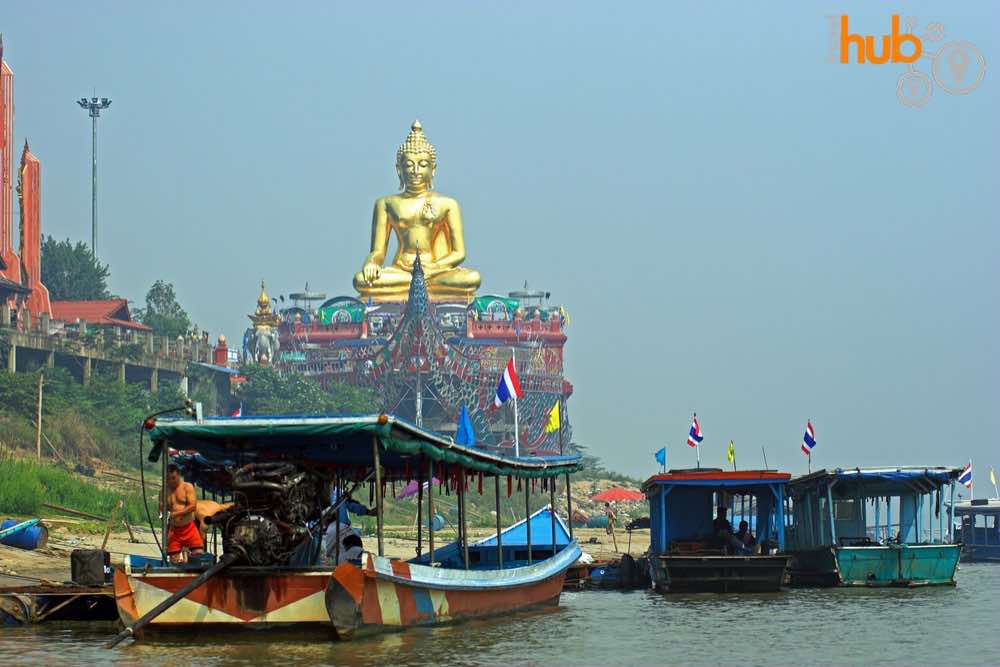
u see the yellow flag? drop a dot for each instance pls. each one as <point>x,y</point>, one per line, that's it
<point>732,452</point>
<point>553,424</point>
<point>993,477</point>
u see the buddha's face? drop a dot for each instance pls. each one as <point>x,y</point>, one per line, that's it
<point>416,171</point>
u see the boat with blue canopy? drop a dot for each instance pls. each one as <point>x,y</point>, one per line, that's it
<point>281,473</point>
<point>693,547</point>
<point>872,527</point>
<point>978,528</point>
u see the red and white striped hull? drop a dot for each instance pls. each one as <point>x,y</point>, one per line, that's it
<point>381,595</point>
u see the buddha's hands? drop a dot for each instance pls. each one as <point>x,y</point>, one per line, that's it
<point>371,271</point>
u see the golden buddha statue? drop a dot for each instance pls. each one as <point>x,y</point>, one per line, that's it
<point>425,223</point>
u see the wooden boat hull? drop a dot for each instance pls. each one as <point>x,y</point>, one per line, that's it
<point>385,595</point>
<point>380,595</point>
<point>718,574</point>
<point>981,553</point>
<point>906,565</point>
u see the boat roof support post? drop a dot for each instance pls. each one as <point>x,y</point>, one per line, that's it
<point>496,493</point>
<point>779,504</point>
<point>463,517</point>
<point>951,511</point>
<point>664,543</point>
<point>878,515</point>
<point>569,505</point>
<point>888,517</point>
<point>430,511</point>
<point>940,511</point>
<point>552,513</point>
<point>165,513</point>
<point>338,484</point>
<point>420,511</point>
<point>829,507</point>
<point>378,495</point>
<point>527,514</point>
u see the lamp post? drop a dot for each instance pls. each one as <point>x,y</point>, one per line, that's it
<point>94,105</point>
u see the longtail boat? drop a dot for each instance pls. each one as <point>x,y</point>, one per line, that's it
<point>280,472</point>
<point>691,552</point>
<point>874,527</point>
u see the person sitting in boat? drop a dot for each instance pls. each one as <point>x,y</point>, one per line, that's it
<point>724,533</point>
<point>745,536</point>
<point>338,530</point>
<point>180,501</point>
<point>351,549</point>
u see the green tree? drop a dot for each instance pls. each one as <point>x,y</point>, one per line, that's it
<point>71,272</point>
<point>162,312</point>
<point>265,392</point>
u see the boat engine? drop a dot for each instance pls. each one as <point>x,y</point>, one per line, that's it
<point>275,505</point>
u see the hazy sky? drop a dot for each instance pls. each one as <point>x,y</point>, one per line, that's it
<point>736,226</point>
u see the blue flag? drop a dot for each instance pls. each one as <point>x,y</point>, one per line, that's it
<point>661,456</point>
<point>465,435</point>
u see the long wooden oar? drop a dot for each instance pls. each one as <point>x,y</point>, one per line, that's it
<point>224,562</point>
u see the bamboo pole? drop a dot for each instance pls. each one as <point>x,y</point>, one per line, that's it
<point>378,495</point>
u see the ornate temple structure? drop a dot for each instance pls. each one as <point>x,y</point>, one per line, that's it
<point>21,288</point>
<point>417,333</point>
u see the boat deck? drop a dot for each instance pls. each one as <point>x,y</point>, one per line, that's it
<point>25,605</point>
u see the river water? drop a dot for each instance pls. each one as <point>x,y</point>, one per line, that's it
<point>806,626</point>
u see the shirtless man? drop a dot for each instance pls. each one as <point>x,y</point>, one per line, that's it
<point>182,504</point>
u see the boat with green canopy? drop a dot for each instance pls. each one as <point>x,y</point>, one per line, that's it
<point>287,478</point>
<point>872,527</point>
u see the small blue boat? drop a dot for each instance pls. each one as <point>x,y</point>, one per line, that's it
<point>980,529</point>
<point>688,553</point>
<point>549,535</point>
<point>872,527</point>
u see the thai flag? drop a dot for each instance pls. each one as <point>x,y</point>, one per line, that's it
<point>238,412</point>
<point>694,435</point>
<point>966,476</point>
<point>809,439</point>
<point>509,386</point>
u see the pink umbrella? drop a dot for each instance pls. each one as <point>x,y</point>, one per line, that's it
<point>411,489</point>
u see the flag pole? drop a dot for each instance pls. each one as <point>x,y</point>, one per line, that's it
<point>993,478</point>
<point>517,446</point>
<point>697,453</point>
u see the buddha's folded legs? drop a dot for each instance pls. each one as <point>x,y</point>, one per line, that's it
<point>457,278</point>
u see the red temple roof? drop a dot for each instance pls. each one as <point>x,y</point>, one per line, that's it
<point>113,312</point>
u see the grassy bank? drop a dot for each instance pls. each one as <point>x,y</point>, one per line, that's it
<point>25,485</point>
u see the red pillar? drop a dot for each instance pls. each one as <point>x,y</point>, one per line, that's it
<point>30,195</point>
<point>13,271</point>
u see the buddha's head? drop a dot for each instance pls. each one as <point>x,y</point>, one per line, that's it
<point>416,161</point>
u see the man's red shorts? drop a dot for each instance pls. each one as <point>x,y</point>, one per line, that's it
<point>184,536</point>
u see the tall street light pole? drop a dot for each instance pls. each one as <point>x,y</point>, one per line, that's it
<point>94,105</point>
